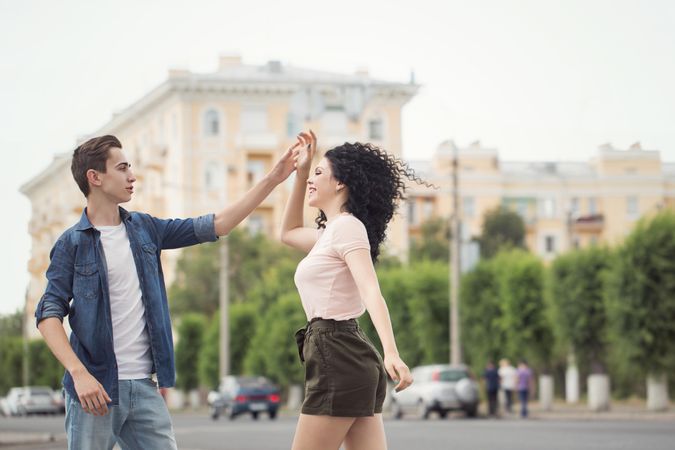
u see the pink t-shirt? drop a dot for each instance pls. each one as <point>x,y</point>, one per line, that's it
<point>326,286</point>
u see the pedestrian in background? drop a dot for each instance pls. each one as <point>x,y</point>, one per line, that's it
<point>525,386</point>
<point>508,377</point>
<point>491,376</point>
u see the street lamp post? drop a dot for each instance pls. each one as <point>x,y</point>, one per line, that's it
<point>455,348</point>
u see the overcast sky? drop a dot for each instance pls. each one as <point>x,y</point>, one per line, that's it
<point>538,80</point>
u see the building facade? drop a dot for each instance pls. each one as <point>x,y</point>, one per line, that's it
<point>198,141</point>
<point>564,204</point>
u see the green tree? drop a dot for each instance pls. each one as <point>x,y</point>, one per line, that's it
<point>190,338</point>
<point>243,318</point>
<point>11,354</point>
<point>428,306</point>
<point>45,369</point>
<point>502,228</point>
<point>196,288</point>
<point>482,326</point>
<point>433,242</point>
<point>273,351</point>
<point>525,319</point>
<point>576,291</point>
<point>11,324</point>
<point>640,298</point>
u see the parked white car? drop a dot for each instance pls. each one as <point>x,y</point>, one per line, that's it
<point>22,401</point>
<point>437,388</point>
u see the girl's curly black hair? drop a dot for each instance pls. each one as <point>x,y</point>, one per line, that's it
<point>376,185</point>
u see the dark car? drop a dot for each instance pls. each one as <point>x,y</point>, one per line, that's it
<point>242,395</point>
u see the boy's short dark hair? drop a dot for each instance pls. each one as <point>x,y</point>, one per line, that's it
<point>93,154</point>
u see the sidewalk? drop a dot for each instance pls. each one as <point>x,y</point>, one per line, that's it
<point>619,410</point>
<point>8,438</point>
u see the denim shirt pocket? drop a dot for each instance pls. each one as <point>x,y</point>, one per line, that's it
<point>150,255</point>
<point>86,281</point>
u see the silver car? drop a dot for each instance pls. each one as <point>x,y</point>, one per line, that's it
<point>22,401</point>
<point>437,388</point>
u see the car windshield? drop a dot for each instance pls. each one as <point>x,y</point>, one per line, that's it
<point>253,382</point>
<point>42,391</point>
<point>452,375</point>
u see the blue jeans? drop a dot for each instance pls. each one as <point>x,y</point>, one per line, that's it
<point>140,421</point>
<point>524,396</point>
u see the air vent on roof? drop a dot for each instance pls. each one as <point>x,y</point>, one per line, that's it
<point>274,66</point>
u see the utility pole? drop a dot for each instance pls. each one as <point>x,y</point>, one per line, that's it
<point>455,347</point>
<point>224,288</point>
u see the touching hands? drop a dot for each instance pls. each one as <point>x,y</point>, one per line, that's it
<point>398,371</point>
<point>286,164</point>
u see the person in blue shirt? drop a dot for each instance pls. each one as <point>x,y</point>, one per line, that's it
<point>491,376</point>
<point>105,274</point>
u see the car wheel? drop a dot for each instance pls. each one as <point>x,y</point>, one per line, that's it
<point>231,414</point>
<point>422,410</point>
<point>215,413</point>
<point>396,410</point>
<point>443,414</point>
<point>273,414</point>
<point>471,411</point>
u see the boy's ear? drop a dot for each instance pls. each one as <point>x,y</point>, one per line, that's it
<point>93,177</point>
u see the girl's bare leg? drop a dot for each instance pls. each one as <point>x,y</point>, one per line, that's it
<point>367,433</point>
<point>321,432</point>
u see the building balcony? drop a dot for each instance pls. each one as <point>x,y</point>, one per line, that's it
<point>591,223</point>
<point>259,141</point>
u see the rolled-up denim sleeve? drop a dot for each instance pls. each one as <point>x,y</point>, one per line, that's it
<point>55,302</point>
<point>178,233</point>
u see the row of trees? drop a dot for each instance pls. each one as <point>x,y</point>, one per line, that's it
<point>613,308</point>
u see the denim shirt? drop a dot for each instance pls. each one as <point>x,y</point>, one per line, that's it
<point>78,272</point>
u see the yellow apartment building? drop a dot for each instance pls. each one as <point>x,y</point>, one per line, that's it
<point>198,140</point>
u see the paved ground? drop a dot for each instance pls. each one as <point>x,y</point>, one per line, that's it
<point>195,431</point>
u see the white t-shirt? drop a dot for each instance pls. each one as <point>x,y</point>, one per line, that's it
<point>130,335</point>
<point>509,377</point>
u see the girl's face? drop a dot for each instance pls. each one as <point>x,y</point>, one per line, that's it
<point>322,187</point>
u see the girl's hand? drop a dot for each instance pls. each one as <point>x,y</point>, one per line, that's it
<point>303,163</point>
<point>398,371</point>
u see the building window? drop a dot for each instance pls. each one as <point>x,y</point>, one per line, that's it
<point>632,208</point>
<point>255,171</point>
<point>549,244</point>
<point>293,125</point>
<point>213,176</point>
<point>334,122</point>
<point>412,210</point>
<point>469,207</point>
<point>375,129</point>
<point>254,119</point>
<point>592,206</point>
<point>574,206</point>
<point>211,123</point>
<point>428,208</point>
<point>547,208</point>
<point>256,224</point>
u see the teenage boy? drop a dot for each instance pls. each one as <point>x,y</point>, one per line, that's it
<point>106,275</point>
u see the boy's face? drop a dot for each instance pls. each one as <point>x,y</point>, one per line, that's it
<point>117,184</point>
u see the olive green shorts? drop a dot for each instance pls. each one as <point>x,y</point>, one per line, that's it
<point>344,373</point>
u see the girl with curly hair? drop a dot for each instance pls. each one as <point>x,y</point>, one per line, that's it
<point>356,188</point>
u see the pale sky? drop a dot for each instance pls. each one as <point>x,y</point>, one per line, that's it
<point>538,80</point>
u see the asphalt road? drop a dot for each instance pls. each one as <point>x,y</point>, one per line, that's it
<point>197,432</point>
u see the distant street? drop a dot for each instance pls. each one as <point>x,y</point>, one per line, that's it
<point>198,432</point>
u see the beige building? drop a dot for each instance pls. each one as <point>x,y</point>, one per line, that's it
<point>564,204</point>
<point>199,140</point>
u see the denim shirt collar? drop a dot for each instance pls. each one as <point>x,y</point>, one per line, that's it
<point>84,223</point>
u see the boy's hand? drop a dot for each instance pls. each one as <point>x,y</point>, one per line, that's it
<point>286,164</point>
<point>93,398</point>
